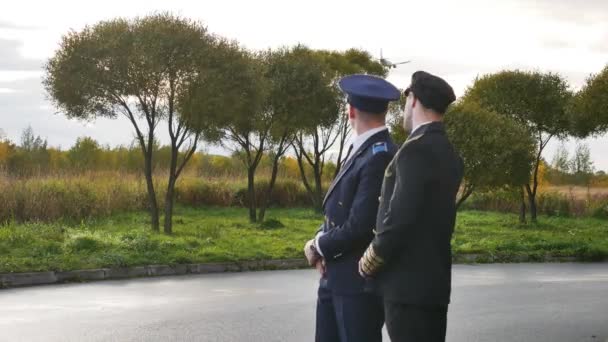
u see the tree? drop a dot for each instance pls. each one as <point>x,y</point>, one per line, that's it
<point>204,79</point>
<point>561,159</point>
<point>144,69</point>
<point>537,101</point>
<point>590,106</point>
<point>581,165</point>
<point>298,80</point>
<point>7,151</point>
<point>312,142</point>
<point>395,121</point>
<point>247,127</point>
<point>495,149</point>
<point>32,156</point>
<point>330,124</point>
<point>351,61</point>
<point>84,155</point>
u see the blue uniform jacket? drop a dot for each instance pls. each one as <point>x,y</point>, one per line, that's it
<point>350,209</point>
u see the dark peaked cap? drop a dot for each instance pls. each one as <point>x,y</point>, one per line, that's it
<point>369,93</point>
<point>432,91</point>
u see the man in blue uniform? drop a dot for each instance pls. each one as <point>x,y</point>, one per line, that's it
<point>410,256</point>
<point>347,308</point>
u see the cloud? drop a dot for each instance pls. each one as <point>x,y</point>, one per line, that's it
<point>585,12</point>
<point>601,45</point>
<point>11,59</point>
<point>557,43</point>
<point>12,26</point>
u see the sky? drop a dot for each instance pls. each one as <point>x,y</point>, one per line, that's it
<point>457,40</point>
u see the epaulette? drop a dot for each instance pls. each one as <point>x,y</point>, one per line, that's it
<point>407,142</point>
<point>380,146</point>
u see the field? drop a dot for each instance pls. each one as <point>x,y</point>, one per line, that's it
<point>215,234</point>
<point>579,192</point>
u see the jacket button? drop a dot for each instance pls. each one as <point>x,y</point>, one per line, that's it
<point>379,198</point>
<point>333,224</point>
<point>340,203</point>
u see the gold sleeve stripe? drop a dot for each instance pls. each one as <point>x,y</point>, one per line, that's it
<point>371,260</point>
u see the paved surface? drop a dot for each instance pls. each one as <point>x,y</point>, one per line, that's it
<point>516,302</point>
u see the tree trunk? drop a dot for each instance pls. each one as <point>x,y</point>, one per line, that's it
<point>318,202</point>
<point>467,192</point>
<point>267,196</point>
<point>299,157</point>
<point>170,196</point>
<point>152,202</point>
<point>169,203</point>
<point>532,203</point>
<point>522,209</point>
<point>251,194</point>
<point>532,190</point>
<point>533,212</point>
<point>344,130</point>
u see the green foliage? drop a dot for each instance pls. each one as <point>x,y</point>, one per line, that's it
<point>600,209</point>
<point>540,102</point>
<point>537,100</point>
<point>395,121</point>
<point>590,106</point>
<point>495,149</point>
<point>577,170</point>
<point>85,154</point>
<point>30,158</point>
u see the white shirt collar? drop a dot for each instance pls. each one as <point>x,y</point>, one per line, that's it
<point>422,124</point>
<point>359,140</point>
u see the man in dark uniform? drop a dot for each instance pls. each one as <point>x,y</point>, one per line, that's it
<point>347,308</point>
<point>410,256</point>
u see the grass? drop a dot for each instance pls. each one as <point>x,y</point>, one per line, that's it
<point>224,234</point>
<point>499,237</point>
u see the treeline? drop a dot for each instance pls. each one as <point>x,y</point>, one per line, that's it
<point>575,168</point>
<point>32,157</point>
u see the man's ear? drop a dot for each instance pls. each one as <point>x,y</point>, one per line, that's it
<point>351,112</point>
<point>414,102</point>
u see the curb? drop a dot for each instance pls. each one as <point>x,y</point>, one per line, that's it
<point>491,259</point>
<point>8,280</point>
<point>44,278</point>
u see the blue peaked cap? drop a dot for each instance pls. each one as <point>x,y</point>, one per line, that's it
<point>369,93</point>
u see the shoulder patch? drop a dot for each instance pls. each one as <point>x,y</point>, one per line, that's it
<point>379,147</point>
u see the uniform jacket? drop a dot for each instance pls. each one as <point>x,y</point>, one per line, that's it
<point>350,209</point>
<point>416,219</point>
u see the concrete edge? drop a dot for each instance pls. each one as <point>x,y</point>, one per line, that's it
<point>9,280</point>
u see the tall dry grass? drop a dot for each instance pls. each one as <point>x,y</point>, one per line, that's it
<point>552,201</point>
<point>98,194</point>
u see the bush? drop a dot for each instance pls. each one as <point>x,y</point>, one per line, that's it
<point>502,200</point>
<point>554,204</point>
<point>599,209</point>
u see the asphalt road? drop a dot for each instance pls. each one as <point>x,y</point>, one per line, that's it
<point>514,302</point>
